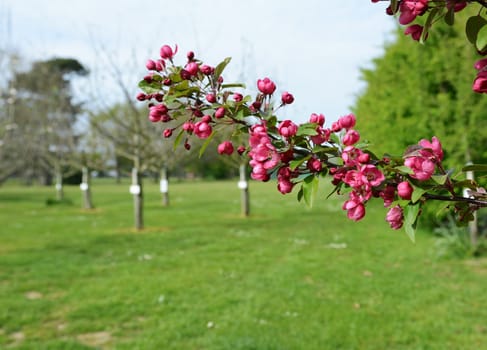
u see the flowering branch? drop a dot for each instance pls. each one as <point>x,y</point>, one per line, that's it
<point>297,156</point>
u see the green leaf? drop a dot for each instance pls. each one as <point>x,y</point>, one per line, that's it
<point>475,167</point>
<point>178,138</point>
<point>405,170</point>
<point>310,188</point>
<point>221,66</point>
<point>300,194</point>
<point>411,213</point>
<point>233,85</point>
<point>293,164</point>
<point>428,23</point>
<point>417,193</point>
<point>481,42</point>
<point>473,26</point>
<point>394,6</point>
<point>439,179</point>
<point>307,130</point>
<point>450,16</point>
<point>150,88</point>
<point>206,143</point>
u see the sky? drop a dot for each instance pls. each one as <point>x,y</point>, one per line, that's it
<point>312,48</point>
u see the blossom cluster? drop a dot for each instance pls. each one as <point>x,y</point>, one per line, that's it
<point>197,102</point>
<point>409,10</point>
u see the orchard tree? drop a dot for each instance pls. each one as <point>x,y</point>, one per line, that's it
<point>44,114</point>
<point>195,95</point>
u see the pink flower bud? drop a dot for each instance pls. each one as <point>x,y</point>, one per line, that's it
<point>206,119</point>
<point>415,31</point>
<point>160,65</point>
<point>167,53</point>
<point>202,129</point>
<point>187,145</point>
<point>287,128</point>
<point>206,70</point>
<point>241,150</point>
<point>188,127</point>
<point>226,147</point>
<point>347,121</point>
<point>211,98</point>
<point>266,86</point>
<point>336,127</point>
<point>287,98</point>
<point>220,112</point>
<point>190,55</point>
<point>237,97</point>
<point>314,165</point>
<point>185,75</point>
<point>284,186</point>
<point>404,190</point>
<point>150,65</point>
<point>395,217</point>
<point>141,96</point>
<point>167,82</point>
<point>167,133</point>
<point>192,68</point>
<point>351,137</point>
<point>317,118</point>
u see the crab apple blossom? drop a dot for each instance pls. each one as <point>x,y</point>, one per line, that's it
<point>434,145</point>
<point>371,175</point>
<point>354,207</point>
<point>404,190</point>
<point>317,118</point>
<point>287,98</point>
<point>410,9</point>
<point>284,186</point>
<point>387,194</point>
<point>220,112</point>
<point>226,147</point>
<point>351,137</point>
<point>167,52</point>
<point>347,121</point>
<point>202,129</point>
<point>266,86</point>
<point>150,65</point>
<point>314,165</point>
<point>192,68</point>
<point>287,128</point>
<point>206,69</point>
<point>415,31</point>
<point>167,133</point>
<point>422,167</point>
<point>395,217</point>
<point>237,97</point>
<point>480,82</point>
<point>211,98</point>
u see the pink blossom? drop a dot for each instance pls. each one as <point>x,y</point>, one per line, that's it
<point>353,156</point>
<point>347,121</point>
<point>353,178</point>
<point>404,190</point>
<point>202,129</point>
<point>371,175</point>
<point>220,112</point>
<point>167,133</point>
<point>422,167</point>
<point>388,195</point>
<point>190,55</point>
<point>167,53</point>
<point>314,165</point>
<point>211,98</point>
<point>206,70</point>
<point>323,135</point>
<point>188,127</point>
<point>355,208</point>
<point>480,82</point>
<point>150,65</point>
<point>287,128</point>
<point>434,145</point>
<point>192,68</point>
<point>395,217</point>
<point>141,96</point>
<point>351,137</point>
<point>226,147</point>
<point>237,97</point>
<point>480,64</point>
<point>284,185</point>
<point>287,98</point>
<point>415,31</point>
<point>410,9</point>
<point>241,150</point>
<point>266,86</point>
<point>317,118</point>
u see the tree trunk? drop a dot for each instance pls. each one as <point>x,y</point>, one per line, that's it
<point>136,190</point>
<point>86,189</point>
<point>164,187</point>
<point>243,184</point>
<point>59,185</point>
<point>473,227</point>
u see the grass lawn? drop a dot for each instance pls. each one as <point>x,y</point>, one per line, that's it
<point>202,277</point>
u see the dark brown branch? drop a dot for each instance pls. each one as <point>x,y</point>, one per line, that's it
<point>478,202</point>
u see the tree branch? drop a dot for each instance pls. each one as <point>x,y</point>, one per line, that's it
<point>478,202</point>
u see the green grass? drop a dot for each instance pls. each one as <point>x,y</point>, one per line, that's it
<point>202,277</point>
